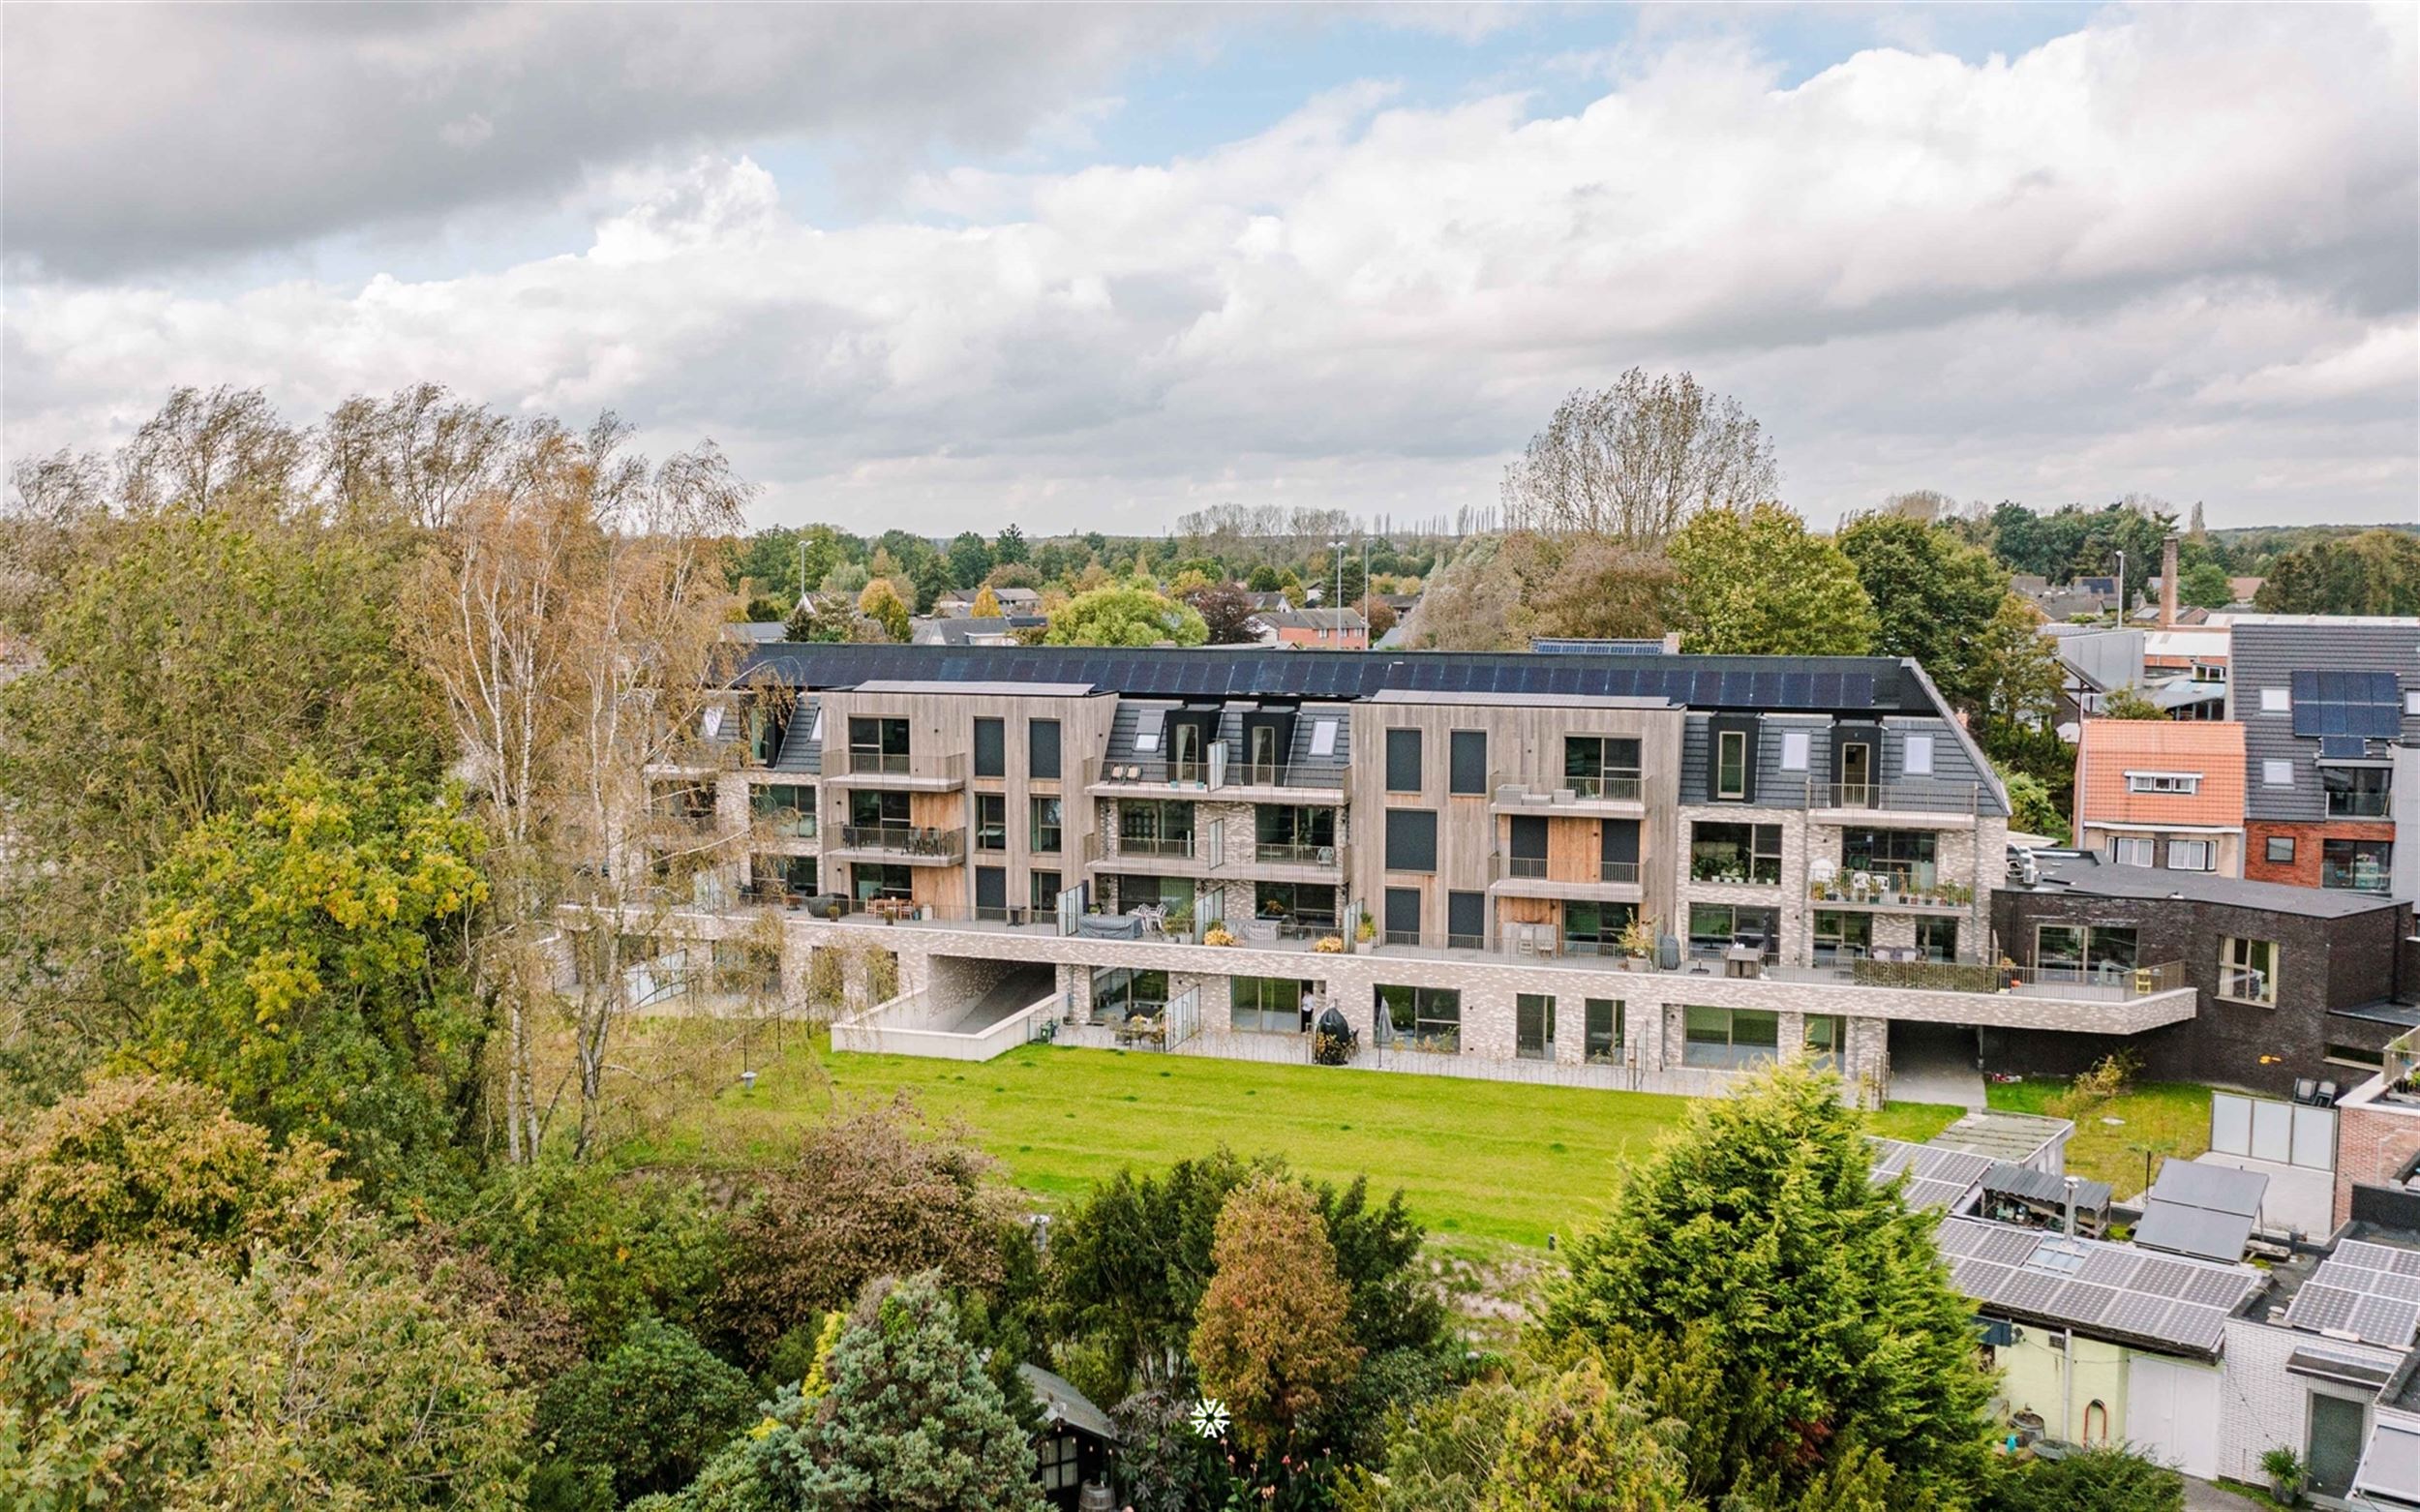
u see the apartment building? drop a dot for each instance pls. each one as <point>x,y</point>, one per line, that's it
<point>1434,855</point>
<point>2330,709</point>
<point>2160,794</point>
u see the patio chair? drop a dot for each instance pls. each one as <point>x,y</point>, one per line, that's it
<point>1155,921</point>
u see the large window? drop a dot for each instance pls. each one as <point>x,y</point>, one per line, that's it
<point>1596,929</point>
<point>1267,1004</point>
<point>1044,890</point>
<point>1403,761</point>
<point>1827,1037</point>
<point>1736,853</point>
<point>2355,792</point>
<point>1937,939</point>
<point>1600,766</point>
<point>1047,835</point>
<point>2082,952</point>
<point>1303,907</point>
<point>878,819</point>
<point>1420,1019</point>
<point>1729,1038</point>
<point>1155,827</point>
<point>1294,835</point>
<point>870,880</point>
<point>1900,858</point>
<point>2193,856</point>
<point>792,874</point>
<point>991,822</point>
<point>2247,971</point>
<point>784,809</point>
<point>1605,1041</point>
<point>1466,920</point>
<point>2359,864</point>
<point>1714,927</point>
<point>1731,764</point>
<point>2130,850</point>
<point>1120,994</point>
<point>991,749</point>
<point>1402,923</point>
<point>1042,749</point>
<point>1411,839</point>
<point>1843,936</point>
<point>877,745</point>
<point>1534,1026</point>
<point>1466,761</point>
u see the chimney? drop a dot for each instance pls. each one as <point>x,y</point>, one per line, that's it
<point>2168,584</point>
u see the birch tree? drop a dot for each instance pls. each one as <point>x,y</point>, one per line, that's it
<point>1635,461</point>
<point>576,628</point>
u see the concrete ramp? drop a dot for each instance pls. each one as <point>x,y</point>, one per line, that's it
<point>1020,989</point>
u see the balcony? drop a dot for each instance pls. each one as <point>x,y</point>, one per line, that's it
<point>1588,880</point>
<point>897,771</point>
<point>917,845</point>
<point>1288,853</point>
<point>1182,854</point>
<point>2358,806</point>
<point>1143,777</point>
<point>1899,888</point>
<point>1895,803</point>
<point>1621,794</point>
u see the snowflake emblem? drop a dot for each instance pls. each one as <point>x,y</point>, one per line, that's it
<point>1210,1417</point>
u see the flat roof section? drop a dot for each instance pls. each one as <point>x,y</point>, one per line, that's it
<point>2091,876</point>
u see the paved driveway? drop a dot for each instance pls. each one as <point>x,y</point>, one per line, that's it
<point>2203,1497</point>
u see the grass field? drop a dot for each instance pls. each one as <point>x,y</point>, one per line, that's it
<point>2166,1118</point>
<point>1490,1159</point>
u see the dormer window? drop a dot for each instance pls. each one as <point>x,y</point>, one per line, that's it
<point>2183,783</point>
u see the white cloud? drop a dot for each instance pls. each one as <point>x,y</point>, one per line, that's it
<point>2168,253</point>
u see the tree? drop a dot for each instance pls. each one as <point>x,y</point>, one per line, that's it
<point>1757,583</point>
<point>1932,596</point>
<point>1576,1442</point>
<point>2105,1477</point>
<point>828,618</point>
<point>330,1380</point>
<point>1378,615</point>
<point>1757,1286</point>
<point>1009,546</point>
<point>2126,702</point>
<point>2204,586</point>
<point>1226,612</point>
<point>2377,572</point>
<point>577,630</point>
<point>1270,1340</point>
<point>1636,461</point>
<point>970,558</point>
<point>2031,808</point>
<point>986,604</point>
<point>144,1164</point>
<point>881,603</point>
<point>1123,614</point>
<point>303,955</point>
<point>1591,588</point>
<point>909,1420</point>
<point>877,1193</point>
<point>1264,579</point>
<point>642,1420</point>
<point>612,1247</point>
<point>1474,602</point>
<point>2016,670</point>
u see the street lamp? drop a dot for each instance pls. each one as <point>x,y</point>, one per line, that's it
<point>1336,553</point>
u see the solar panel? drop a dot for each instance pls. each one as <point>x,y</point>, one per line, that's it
<point>2094,1285</point>
<point>2385,1321</point>
<point>2354,1292</point>
<point>2031,1292</point>
<point>2342,747</point>
<point>2139,1312</point>
<point>2111,1267</point>
<point>2364,704</point>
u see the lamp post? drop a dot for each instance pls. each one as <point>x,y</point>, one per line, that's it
<point>2121,587</point>
<point>1336,553</point>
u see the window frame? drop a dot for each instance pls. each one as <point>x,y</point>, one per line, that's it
<point>998,730</point>
<point>1408,822</point>
<point>1055,828</point>
<point>1458,743</point>
<point>1616,1037</point>
<point>2134,850</point>
<point>1404,750</point>
<point>1760,867</point>
<point>1420,1016</point>
<point>1697,1021</point>
<point>2231,968</point>
<point>1036,742</point>
<point>2270,846</point>
<point>1728,773</point>
<point>991,823</point>
<point>2205,851</point>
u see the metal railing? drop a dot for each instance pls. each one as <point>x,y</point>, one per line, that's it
<point>1287,853</point>
<point>1151,771</point>
<point>1619,787</point>
<point>1282,775</point>
<point>2358,805</point>
<point>1945,798</point>
<point>1533,868</point>
<point>858,762</point>
<point>904,840</point>
<point>2106,983</point>
<point>1200,773</point>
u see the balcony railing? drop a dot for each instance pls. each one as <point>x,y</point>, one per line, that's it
<point>1204,774</point>
<point>904,840</point>
<point>2358,805</point>
<point>1533,868</point>
<point>1288,853</point>
<point>1919,797</point>
<point>1282,775</point>
<point>1163,847</point>
<point>858,762</point>
<point>1619,787</point>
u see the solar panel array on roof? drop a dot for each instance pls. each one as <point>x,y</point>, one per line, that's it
<point>2342,747</point>
<point>2365,1292</point>
<point>2204,1210</point>
<point>2364,704</point>
<point>2104,1288</point>
<point>2040,1186</point>
<point>1936,1178</point>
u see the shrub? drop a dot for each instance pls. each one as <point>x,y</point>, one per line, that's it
<point>641,1420</point>
<point>2109,1478</point>
<point>1271,1339</point>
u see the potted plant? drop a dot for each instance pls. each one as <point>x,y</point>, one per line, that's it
<point>2286,1473</point>
<point>1638,941</point>
<point>1365,935</point>
<point>1328,944</point>
<point>1218,934</point>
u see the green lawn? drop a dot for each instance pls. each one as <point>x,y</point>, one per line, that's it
<point>1490,1159</point>
<point>2166,1118</point>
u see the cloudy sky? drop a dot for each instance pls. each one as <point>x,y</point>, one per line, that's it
<point>1089,267</point>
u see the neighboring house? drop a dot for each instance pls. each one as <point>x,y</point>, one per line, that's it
<point>2158,793</point>
<point>2290,983</point>
<point>1329,629</point>
<point>1015,601</point>
<point>2245,591</point>
<point>1261,602</point>
<point>956,604</point>
<point>2191,1356</point>
<point>2331,711</point>
<point>760,632</point>
<point>1075,1442</point>
<point>976,630</point>
<point>1049,834</point>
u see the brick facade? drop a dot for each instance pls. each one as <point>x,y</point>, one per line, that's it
<point>2303,871</point>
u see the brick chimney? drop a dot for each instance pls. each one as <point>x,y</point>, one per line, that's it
<point>2168,584</point>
